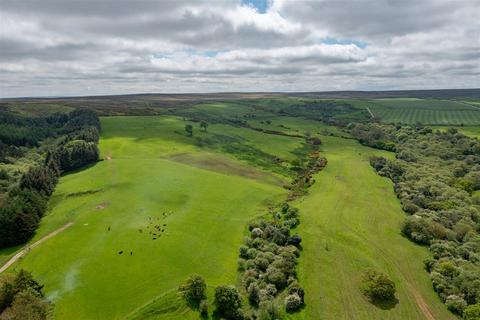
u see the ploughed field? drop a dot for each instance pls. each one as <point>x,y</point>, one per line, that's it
<point>162,205</point>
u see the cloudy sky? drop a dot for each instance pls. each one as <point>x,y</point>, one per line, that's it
<point>89,47</point>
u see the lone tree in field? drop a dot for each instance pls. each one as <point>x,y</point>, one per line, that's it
<point>204,125</point>
<point>189,129</point>
<point>193,290</point>
<point>377,286</point>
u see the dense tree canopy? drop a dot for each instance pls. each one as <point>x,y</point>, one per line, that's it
<point>75,138</point>
<point>21,297</point>
<point>435,175</point>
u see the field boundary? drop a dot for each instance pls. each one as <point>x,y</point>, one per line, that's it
<point>27,248</point>
<point>371,113</point>
<point>467,104</point>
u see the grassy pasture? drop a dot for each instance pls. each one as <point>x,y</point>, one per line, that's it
<point>425,111</point>
<point>205,195</point>
<point>470,131</point>
<point>351,221</point>
<point>203,213</point>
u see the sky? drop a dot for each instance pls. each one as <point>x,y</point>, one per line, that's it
<point>97,47</point>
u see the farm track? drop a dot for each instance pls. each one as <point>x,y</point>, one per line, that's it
<point>371,113</point>
<point>27,248</point>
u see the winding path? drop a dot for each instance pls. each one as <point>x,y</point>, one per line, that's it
<point>27,248</point>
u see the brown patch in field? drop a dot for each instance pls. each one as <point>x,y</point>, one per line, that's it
<point>101,206</point>
<point>340,178</point>
<point>226,166</point>
<point>108,157</point>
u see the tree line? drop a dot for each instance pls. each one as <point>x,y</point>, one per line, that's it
<point>435,176</point>
<point>267,259</point>
<point>21,297</point>
<point>76,146</point>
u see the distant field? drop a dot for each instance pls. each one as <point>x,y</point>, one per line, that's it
<point>470,131</point>
<point>34,109</point>
<point>425,111</point>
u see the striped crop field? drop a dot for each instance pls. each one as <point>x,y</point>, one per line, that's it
<point>426,111</point>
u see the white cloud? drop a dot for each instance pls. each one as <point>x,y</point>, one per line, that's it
<point>54,47</point>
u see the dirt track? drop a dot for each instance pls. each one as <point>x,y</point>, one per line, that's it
<point>27,248</point>
<point>422,304</point>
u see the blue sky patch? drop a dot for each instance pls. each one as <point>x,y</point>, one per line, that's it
<point>260,5</point>
<point>330,40</point>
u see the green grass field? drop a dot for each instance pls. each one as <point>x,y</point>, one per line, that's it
<point>470,131</point>
<point>350,222</point>
<point>202,197</point>
<point>430,112</point>
<point>202,211</point>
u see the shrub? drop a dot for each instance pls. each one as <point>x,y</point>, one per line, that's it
<point>3,174</point>
<point>271,289</point>
<point>276,277</point>
<point>472,312</point>
<point>295,288</point>
<point>252,253</point>
<point>228,302</point>
<point>291,213</point>
<point>261,262</point>
<point>291,223</point>
<point>455,304</point>
<point>203,308</point>
<point>249,277</point>
<point>416,229</point>
<point>27,305</point>
<point>244,252</point>
<point>40,179</point>
<point>253,293</point>
<point>377,286</point>
<point>293,302</point>
<point>294,240</point>
<point>258,243</point>
<point>193,290</point>
<point>21,292</point>
<point>268,310</point>
<point>256,233</point>
<point>410,207</point>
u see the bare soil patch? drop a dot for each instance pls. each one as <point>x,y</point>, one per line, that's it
<point>101,206</point>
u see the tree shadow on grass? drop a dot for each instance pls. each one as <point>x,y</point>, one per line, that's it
<point>385,304</point>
